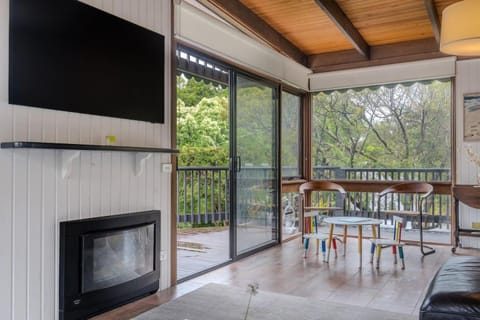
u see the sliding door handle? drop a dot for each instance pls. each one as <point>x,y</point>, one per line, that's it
<point>239,164</point>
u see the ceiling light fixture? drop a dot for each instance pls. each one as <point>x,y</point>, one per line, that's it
<point>460,33</point>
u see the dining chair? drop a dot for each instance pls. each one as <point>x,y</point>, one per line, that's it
<point>419,191</point>
<point>312,216</point>
<point>379,244</point>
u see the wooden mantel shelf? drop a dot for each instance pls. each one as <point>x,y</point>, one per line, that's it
<point>71,152</point>
<point>91,147</point>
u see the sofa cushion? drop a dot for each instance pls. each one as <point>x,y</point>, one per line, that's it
<point>454,292</point>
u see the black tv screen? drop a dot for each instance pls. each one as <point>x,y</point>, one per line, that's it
<point>69,56</point>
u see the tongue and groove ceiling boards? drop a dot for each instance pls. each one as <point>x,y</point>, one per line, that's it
<point>328,35</point>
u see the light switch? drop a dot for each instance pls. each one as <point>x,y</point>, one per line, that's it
<point>163,255</point>
<point>167,167</point>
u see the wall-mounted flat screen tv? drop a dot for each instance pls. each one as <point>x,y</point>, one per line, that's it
<point>69,56</point>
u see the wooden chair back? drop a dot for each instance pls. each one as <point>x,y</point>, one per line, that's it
<point>422,189</point>
<point>409,187</point>
<point>321,186</point>
<point>316,186</point>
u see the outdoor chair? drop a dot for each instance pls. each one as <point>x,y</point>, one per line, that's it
<point>312,216</point>
<point>420,191</point>
<point>379,244</point>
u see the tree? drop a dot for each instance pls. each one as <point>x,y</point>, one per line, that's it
<point>203,123</point>
<point>192,90</point>
<point>402,126</point>
<point>202,133</point>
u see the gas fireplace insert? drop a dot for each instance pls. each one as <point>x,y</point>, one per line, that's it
<point>107,261</point>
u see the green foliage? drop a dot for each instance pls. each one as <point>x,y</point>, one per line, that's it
<point>389,127</point>
<point>203,140</point>
<point>184,225</point>
<point>203,157</point>
<point>202,123</point>
<point>254,112</point>
<point>191,91</point>
<point>189,225</point>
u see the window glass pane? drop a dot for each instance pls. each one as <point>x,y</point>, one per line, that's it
<point>394,132</point>
<point>256,176</point>
<point>291,126</point>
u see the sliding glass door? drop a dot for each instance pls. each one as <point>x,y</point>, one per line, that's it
<point>227,174</point>
<point>254,163</point>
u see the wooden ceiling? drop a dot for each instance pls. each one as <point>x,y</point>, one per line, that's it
<point>327,35</point>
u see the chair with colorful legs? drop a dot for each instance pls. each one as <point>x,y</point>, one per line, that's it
<point>379,244</point>
<point>312,216</point>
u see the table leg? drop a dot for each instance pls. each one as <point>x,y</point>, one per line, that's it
<point>360,240</point>
<point>374,231</point>
<point>344,240</point>
<point>330,236</point>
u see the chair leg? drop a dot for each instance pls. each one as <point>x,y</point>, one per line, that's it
<point>345,240</point>
<point>324,249</point>
<point>394,251</point>
<point>317,242</point>
<point>425,253</point>
<point>334,244</point>
<point>400,252</point>
<point>379,253</point>
<point>372,252</point>
<point>305,247</point>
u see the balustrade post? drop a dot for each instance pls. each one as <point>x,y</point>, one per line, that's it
<point>339,173</point>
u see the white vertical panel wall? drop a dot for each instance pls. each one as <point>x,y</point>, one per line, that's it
<point>467,81</point>
<point>34,197</point>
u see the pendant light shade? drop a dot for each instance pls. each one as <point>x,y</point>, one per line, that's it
<point>460,33</point>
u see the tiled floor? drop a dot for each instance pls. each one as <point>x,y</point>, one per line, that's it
<point>282,269</point>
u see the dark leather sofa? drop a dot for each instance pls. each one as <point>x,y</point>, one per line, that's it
<point>454,293</point>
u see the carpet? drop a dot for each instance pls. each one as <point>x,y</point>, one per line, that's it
<point>221,302</point>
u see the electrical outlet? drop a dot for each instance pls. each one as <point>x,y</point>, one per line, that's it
<point>167,167</point>
<point>163,255</point>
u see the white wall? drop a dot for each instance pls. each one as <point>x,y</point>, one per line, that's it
<point>467,81</point>
<point>33,195</point>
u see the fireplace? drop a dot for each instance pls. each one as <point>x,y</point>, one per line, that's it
<point>107,261</point>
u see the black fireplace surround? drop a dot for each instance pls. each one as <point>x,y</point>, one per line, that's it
<point>107,261</point>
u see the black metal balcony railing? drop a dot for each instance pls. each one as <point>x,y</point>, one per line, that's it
<point>203,192</point>
<point>398,174</point>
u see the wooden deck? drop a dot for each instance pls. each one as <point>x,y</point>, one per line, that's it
<point>282,269</point>
<point>199,250</point>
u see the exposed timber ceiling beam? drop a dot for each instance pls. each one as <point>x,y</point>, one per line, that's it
<point>379,55</point>
<point>336,14</point>
<point>238,14</point>
<point>434,19</point>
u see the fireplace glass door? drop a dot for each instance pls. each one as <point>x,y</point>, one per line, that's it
<point>115,257</point>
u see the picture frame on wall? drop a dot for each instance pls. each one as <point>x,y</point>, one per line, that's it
<point>471,117</point>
